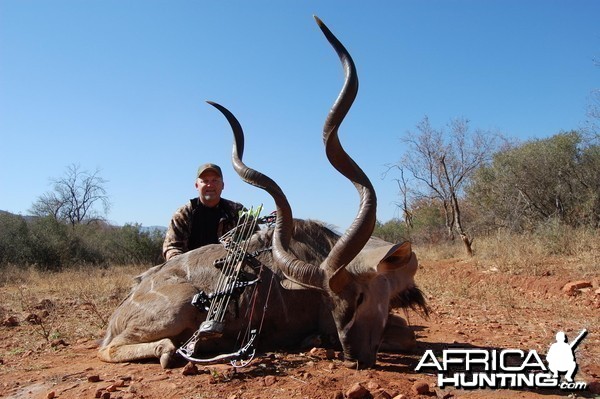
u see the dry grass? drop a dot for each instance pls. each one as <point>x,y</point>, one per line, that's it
<point>545,252</point>
<point>71,305</point>
<point>516,281</point>
<point>512,288</point>
<point>97,284</point>
<point>548,251</point>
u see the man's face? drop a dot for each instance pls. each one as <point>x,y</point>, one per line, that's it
<point>209,185</point>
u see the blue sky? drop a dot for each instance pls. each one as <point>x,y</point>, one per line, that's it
<point>121,86</point>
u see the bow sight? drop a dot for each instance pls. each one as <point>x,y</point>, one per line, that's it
<point>232,282</point>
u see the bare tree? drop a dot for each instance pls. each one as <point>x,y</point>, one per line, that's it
<point>593,114</point>
<point>403,191</point>
<point>593,111</point>
<point>75,197</point>
<point>441,163</point>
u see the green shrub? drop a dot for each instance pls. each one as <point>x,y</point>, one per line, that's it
<point>49,244</point>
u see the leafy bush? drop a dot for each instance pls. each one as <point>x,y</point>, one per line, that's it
<point>15,244</point>
<point>130,245</point>
<point>427,226</point>
<point>393,231</point>
<point>49,244</point>
<point>540,180</point>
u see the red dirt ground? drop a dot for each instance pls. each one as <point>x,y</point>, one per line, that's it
<point>64,369</point>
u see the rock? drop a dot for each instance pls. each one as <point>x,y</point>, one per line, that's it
<point>93,378</point>
<point>420,387</point>
<point>357,391</point>
<point>58,342</point>
<point>269,380</point>
<point>10,321</point>
<point>573,287</point>
<point>190,369</point>
<point>33,318</point>
<point>400,396</point>
<point>44,304</point>
<point>51,395</point>
<point>306,375</point>
<point>321,353</point>
<point>338,395</point>
<point>119,383</point>
<point>381,394</point>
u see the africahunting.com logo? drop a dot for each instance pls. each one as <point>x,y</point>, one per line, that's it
<point>506,368</point>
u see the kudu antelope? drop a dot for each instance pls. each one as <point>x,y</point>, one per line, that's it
<point>339,287</point>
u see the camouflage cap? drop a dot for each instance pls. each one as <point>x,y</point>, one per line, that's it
<point>209,166</point>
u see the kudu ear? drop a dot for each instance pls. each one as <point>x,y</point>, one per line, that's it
<point>396,257</point>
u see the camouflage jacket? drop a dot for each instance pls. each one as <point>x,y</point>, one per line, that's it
<point>178,236</point>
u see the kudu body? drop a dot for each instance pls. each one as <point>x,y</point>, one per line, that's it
<point>335,286</point>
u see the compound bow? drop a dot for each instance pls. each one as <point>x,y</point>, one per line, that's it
<point>230,285</point>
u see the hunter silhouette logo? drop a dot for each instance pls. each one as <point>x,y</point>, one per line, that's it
<point>561,355</point>
<point>507,368</point>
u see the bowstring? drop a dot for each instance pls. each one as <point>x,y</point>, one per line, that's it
<point>222,284</point>
<point>248,228</point>
<point>250,309</point>
<point>236,242</point>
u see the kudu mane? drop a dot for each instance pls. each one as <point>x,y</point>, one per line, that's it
<point>311,242</point>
